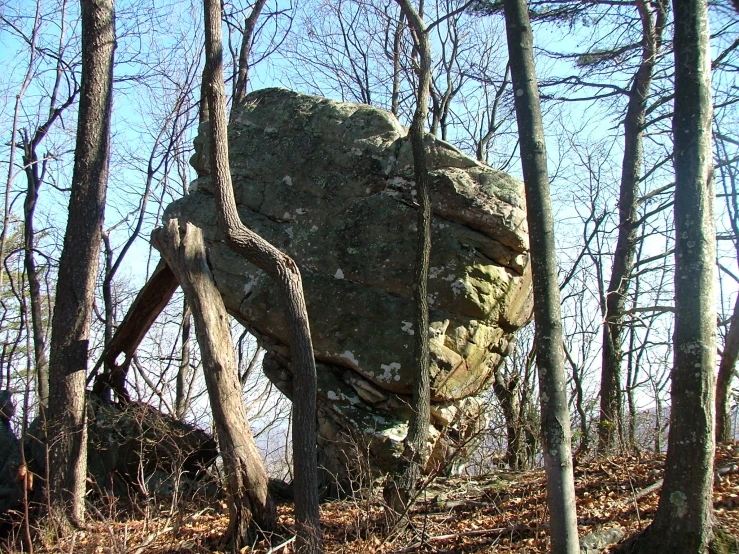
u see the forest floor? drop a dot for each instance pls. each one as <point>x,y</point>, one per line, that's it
<point>503,512</point>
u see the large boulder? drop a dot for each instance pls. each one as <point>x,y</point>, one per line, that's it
<point>331,184</point>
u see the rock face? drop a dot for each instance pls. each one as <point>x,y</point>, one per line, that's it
<point>11,492</point>
<point>331,184</point>
<point>133,448</point>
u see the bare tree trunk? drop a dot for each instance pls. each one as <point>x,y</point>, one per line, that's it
<point>726,372</point>
<point>182,396</point>
<point>397,45</point>
<point>242,79</point>
<point>611,398</point>
<point>249,506</point>
<point>148,304</point>
<point>400,489</point>
<point>506,391</point>
<point>78,265</point>
<point>684,518</point>
<point>33,181</point>
<point>285,273</point>
<point>555,417</point>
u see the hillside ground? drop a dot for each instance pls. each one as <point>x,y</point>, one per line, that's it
<point>503,512</point>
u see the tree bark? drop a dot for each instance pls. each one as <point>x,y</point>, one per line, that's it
<point>684,518</point>
<point>33,181</point>
<point>182,389</point>
<point>242,78</point>
<point>283,270</point>
<point>506,391</point>
<point>78,265</point>
<point>726,372</point>
<point>147,306</point>
<point>611,398</point>
<point>555,417</point>
<point>400,489</point>
<point>250,508</point>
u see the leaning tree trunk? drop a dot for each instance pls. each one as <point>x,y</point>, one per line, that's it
<point>249,506</point>
<point>285,273</point>
<point>78,265</point>
<point>400,491</point>
<point>726,372</point>
<point>555,417</point>
<point>611,398</point>
<point>684,518</point>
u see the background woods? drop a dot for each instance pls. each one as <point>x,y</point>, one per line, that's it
<point>111,113</point>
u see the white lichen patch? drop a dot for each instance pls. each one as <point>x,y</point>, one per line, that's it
<point>289,231</point>
<point>349,356</point>
<point>390,372</point>
<point>331,395</point>
<point>449,278</point>
<point>396,432</point>
<point>270,129</point>
<point>314,229</point>
<point>407,327</point>
<point>435,271</point>
<point>287,180</point>
<point>356,151</point>
<point>250,284</point>
<point>339,274</point>
<point>679,503</point>
<point>398,181</point>
<point>301,211</point>
<point>457,286</point>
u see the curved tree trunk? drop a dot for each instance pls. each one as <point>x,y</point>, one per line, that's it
<point>283,270</point>
<point>400,493</point>
<point>555,417</point>
<point>78,265</point>
<point>249,506</point>
<point>611,398</point>
<point>684,518</point>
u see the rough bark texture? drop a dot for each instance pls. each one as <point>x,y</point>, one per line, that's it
<point>148,304</point>
<point>506,391</point>
<point>242,79</point>
<point>285,273</point>
<point>555,419</point>
<point>726,372</point>
<point>250,508</point>
<point>182,392</point>
<point>78,264</point>
<point>611,397</point>
<point>683,522</point>
<point>415,455</point>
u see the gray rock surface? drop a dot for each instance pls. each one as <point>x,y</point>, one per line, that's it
<point>11,492</point>
<point>331,184</point>
<point>596,541</point>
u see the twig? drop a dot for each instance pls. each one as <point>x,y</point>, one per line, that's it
<point>649,490</point>
<point>154,536</point>
<point>476,533</point>
<point>281,545</point>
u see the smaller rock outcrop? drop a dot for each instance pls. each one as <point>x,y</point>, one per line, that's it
<point>133,448</point>
<point>11,492</point>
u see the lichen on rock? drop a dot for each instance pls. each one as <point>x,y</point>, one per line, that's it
<point>331,184</point>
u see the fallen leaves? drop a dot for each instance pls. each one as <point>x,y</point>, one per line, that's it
<point>506,512</point>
